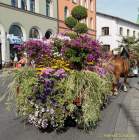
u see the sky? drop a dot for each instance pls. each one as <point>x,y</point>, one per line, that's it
<point>127,9</point>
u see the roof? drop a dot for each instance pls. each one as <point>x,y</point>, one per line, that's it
<point>118,18</point>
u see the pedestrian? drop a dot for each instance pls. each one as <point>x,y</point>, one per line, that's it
<point>22,62</point>
<point>15,60</point>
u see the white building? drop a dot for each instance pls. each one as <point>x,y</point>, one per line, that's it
<point>111,29</point>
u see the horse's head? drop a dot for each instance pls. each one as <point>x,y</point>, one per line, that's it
<point>124,52</point>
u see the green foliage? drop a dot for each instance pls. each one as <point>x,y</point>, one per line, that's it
<point>88,86</point>
<point>58,44</point>
<point>91,88</point>
<point>131,43</point>
<point>72,35</point>
<point>76,57</point>
<point>79,12</point>
<point>24,79</point>
<point>70,22</point>
<point>80,28</point>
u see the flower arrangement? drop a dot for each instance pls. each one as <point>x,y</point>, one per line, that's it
<point>82,50</point>
<point>48,100</point>
<point>58,91</point>
<point>36,49</point>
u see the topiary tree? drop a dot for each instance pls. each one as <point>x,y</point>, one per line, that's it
<point>80,28</point>
<point>73,22</point>
<point>72,35</point>
<point>79,12</point>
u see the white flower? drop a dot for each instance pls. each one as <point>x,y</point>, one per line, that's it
<point>37,107</point>
<point>43,110</point>
<point>39,121</point>
<point>36,113</point>
<point>51,111</point>
<point>44,123</point>
<point>47,110</point>
<point>31,102</point>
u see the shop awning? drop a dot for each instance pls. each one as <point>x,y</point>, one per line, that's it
<point>14,39</point>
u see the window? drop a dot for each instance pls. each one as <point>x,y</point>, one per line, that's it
<point>105,31</point>
<point>85,4</point>
<point>66,12</point>
<point>91,23</point>
<point>91,5</point>
<point>82,2</point>
<point>106,48</point>
<point>128,32</point>
<point>87,23</point>
<point>23,4</point>
<point>48,2</point>
<point>34,33</point>
<point>134,34</point>
<point>32,5</point>
<point>121,31</point>
<point>14,3</point>
<point>48,34</point>
<point>16,31</point>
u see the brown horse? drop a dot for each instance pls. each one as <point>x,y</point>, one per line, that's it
<point>118,66</point>
<point>121,68</point>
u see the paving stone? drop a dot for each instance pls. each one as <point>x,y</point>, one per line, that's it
<point>134,112</point>
<point>133,133</point>
<point>133,123</point>
<point>137,118</point>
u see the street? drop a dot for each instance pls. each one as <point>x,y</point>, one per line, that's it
<point>119,120</point>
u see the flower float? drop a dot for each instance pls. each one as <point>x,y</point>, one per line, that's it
<point>67,82</point>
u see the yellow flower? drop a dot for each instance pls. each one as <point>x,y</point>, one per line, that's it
<point>60,63</point>
<point>39,70</point>
<point>90,62</point>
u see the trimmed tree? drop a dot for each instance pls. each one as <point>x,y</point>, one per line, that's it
<point>74,22</point>
<point>71,22</point>
<point>80,28</point>
<point>79,12</point>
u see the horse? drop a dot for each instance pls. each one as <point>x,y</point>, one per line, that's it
<point>119,66</point>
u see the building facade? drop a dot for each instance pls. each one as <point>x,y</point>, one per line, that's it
<point>64,10</point>
<point>111,29</point>
<point>24,19</point>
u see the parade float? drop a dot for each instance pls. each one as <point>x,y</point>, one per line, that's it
<point>66,82</point>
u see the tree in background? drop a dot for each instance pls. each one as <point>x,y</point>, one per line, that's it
<point>131,43</point>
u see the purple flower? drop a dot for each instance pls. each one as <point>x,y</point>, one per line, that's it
<point>47,72</point>
<point>83,44</point>
<point>60,73</point>
<point>49,83</point>
<point>90,57</point>
<point>48,90</point>
<point>101,71</point>
<point>36,49</point>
